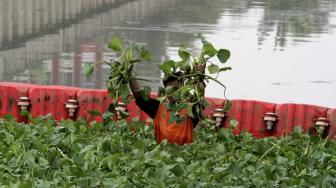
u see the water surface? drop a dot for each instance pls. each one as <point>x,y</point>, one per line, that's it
<point>282,51</point>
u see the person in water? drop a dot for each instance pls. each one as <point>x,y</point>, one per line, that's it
<point>174,132</point>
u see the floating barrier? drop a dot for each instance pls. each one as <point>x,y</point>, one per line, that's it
<point>259,118</point>
<point>331,129</point>
<point>92,99</point>
<point>291,115</point>
<point>51,100</point>
<point>14,98</point>
<point>250,116</point>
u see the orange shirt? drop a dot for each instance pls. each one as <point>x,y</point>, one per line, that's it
<point>176,133</point>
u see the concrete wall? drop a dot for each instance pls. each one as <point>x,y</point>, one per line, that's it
<point>23,18</point>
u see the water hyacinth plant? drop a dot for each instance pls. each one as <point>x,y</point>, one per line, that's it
<point>125,154</point>
<point>121,69</point>
<point>189,96</point>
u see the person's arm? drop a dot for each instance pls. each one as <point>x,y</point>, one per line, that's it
<point>150,106</point>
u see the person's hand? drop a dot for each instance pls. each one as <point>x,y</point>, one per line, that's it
<point>200,68</point>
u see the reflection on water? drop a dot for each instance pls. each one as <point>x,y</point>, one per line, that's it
<point>282,51</point>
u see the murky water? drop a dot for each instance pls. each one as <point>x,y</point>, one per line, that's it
<point>282,51</point>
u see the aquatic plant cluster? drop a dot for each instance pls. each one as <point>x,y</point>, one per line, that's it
<point>190,94</point>
<point>44,153</point>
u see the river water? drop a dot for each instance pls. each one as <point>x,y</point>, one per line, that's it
<point>281,50</point>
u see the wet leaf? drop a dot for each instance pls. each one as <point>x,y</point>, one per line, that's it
<point>145,55</point>
<point>178,170</point>
<point>24,113</point>
<point>124,113</point>
<point>89,68</point>
<point>228,105</point>
<point>115,44</point>
<point>223,55</point>
<point>224,69</point>
<point>145,93</point>
<point>167,67</point>
<point>202,38</point>
<point>209,50</point>
<point>162,99</point>
<point>298,129</point>
<point>213,69</point>
<point>234,123</point>
<point>282,160</point>
<point>94,112</point>
<point>72,155</point>
<point>170,90</point>
<point>184,54</point>
<point>138,46</point>
<point>190,111</point>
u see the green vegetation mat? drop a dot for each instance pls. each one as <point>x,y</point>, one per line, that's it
<point>112,155</point>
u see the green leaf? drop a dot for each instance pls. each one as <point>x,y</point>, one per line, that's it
<point>200,36</point>
<point>136,165</point>
<point>224,69</point>
<point>228,105</point>
<point>140,144</point>
<point>124,92</point>
<point>184,65</point>
<point>145,93</point>
<point>170,90</point>
<point>190,111</point>
<point>161,91</point>
<point>161,173</point>
<point>39,145</point>
<point>138,46</point>
<point>167,66</point>
<point>89,68</point>
<point>298,129</point>
<point>94,112</point>
<point>180,160</point>
<point>302,173</point>
<point>184,54</point>
<point>162,99</point>
<point>115,158</point>
<point>112,106</point>
<point>145,54</point>
<point>223,55</point>
<point>24,113</point>
<point>178,170</point>
<point>23,184</point>
<point>209,50</point>
<point>234,123</point>
<point>124,113</point>
<point>43,184</point>
<point>65,162</point>
<point>9,117</point>
<point>282,160</point>
<point>88,148</point>
<point>220,148</point>
<point>213,69</point>
<point>29,159</point>
<point>219,170</point>
<point>107,115</point>
<point>115,44</point>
